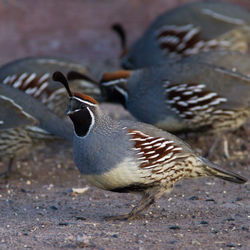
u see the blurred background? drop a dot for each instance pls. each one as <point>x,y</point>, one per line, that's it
<point>78,29</point>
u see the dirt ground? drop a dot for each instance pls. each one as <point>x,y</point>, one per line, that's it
<point>40,208</point>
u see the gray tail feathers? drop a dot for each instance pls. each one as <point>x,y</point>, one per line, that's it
<point>214,170</point>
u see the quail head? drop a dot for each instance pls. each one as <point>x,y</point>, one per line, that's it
<point>182,96</point>
<point>188,30</point>
<point>128,156</point>
<point>33,76</point>
<point>26,123</point>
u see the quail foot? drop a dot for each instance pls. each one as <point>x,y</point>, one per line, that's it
<point>127,156</point>
<point>188,30</point>
<point>33,76</point>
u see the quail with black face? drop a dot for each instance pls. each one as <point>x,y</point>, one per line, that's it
<point>189,95</point>
<point>128,156</point>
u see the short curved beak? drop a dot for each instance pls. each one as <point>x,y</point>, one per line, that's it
<point>69,108</point>
<point>69,112</point>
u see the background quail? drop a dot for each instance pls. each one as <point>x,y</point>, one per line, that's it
<point>231,60</point>
<point>26,123</point>
<point>33,76</point>
<point>181,96</point>
<point>127,156</point>
<point>188,30</point>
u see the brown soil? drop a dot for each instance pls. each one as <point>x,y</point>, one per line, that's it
<point>39,209</point>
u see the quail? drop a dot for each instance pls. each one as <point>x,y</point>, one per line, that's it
<point>187,30</point>
<point>33,76</point>
<point>231,60</point>
<point>25,123</point>
<point>182,96</point>
<point>129,156</point>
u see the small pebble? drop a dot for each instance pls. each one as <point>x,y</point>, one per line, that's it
<point>173,241</point>
<point>63,223</point>
<point>210,200</point>
<point>193,198</point>
<point>230,219</point>
<point>230,245</point>
<point>82,240</point>
<point>203,222</point>
<point>80,218</point>
<point>53,207</point>
<point>215,231</point>
<point>244,228</point>
<point>174,227</point>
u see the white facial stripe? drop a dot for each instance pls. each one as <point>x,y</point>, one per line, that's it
<point>1,122</point>
<point>122,91</point>
<point>83,101</point>
<point>114,82</point>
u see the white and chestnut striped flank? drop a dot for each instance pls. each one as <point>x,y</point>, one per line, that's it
<point>153,151</point>
<point>185,40</point>
<point>193,102</point>
<point>34,85</point>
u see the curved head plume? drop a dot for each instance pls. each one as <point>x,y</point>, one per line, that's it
<point>118,28</point>
<point>59,77</point>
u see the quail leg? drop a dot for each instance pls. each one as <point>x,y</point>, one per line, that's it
<point>6,173</point>
<point>211,149</point>
<point>145,203</point>
<point>223,141</point>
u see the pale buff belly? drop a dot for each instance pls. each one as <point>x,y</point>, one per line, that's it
<point>125,174</point>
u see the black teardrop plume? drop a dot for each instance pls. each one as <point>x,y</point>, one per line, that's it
<point>74,75</point>
<point>118,28</point>
<point>59,77</point>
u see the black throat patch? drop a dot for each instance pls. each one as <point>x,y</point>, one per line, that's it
<point>82,121</point>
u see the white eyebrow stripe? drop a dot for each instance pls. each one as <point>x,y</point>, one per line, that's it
<point>86,102</point>
<point>114,82</point>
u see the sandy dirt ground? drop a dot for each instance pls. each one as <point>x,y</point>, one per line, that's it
<point>40,207</point>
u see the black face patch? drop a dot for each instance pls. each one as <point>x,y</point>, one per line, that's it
<point>111,94</point>
<point>82,121</point>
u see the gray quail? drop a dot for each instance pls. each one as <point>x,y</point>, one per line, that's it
<point>187,30</point>
<point>128,156</point>
<point>231,60</point>
<point>33,76</point>
<point>182,96</point>
<point>26,123</point>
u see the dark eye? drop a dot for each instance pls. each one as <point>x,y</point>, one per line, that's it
<point>82,106</point>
